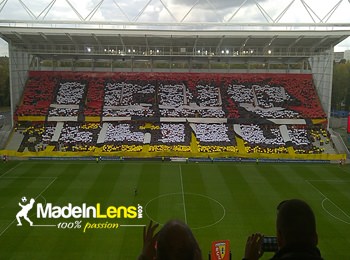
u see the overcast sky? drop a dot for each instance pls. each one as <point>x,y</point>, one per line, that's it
<point>179,10</point>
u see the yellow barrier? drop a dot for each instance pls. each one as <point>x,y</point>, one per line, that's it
<point>174,153</point>
<point>319,121</point>
<point>32,118</point>
<point>92,119</point>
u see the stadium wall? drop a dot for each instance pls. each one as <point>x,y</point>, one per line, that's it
<point>306,157</point>
<point>172,70</point>
<point>322,71</point>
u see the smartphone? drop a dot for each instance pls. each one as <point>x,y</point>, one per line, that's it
<point>270,244</point>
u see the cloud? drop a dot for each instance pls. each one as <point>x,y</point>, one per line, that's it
<point>235,11</point>
<point>218,4</point>
<point>3,48</point>
<point>188,10</point>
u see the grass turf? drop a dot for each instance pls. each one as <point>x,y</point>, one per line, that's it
<point>219,201</point>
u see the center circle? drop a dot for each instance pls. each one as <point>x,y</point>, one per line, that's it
<point>197,210</point>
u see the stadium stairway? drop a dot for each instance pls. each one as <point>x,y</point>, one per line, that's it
<point>145,148</point>
<point>57,133</point>
<point>291,150</point>
<point>50,148</point>
<point>240,145</point>
<point>15,141</point>
<point>194,144</point>
<point>102,134</point>
<point>5,132</point>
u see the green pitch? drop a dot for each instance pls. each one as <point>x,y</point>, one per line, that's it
<point>218,201</point>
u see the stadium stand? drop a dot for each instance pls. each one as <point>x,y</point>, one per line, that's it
<point>189,113</point>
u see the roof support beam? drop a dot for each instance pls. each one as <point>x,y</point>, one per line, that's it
<point>19,37</point>
<point>195,43</point>
<point>331,12</point>
<point>295,42</point>
<point>142,11</point>
<point>31,14</point>
<point>45,38</point>
<point>183,19</point>
<point>46,10</point>
<point>313,47</point>
<point>147,45</point>
<point>71,39</point>
<point>75,11</point>
<point>245,43</point>
<point>218,47</point>
<point>122,41</point>
<point>96,39</point>
<point>270,42</point>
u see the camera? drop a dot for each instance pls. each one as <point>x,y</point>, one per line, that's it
<point>270,244</point>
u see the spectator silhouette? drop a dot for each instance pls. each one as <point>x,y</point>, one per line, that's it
<point>296,234</point>
<point>175,241</point>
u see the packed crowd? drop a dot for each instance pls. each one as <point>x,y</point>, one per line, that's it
<point>126,99</point>
<point>255,135</point>
<point>126,94</point>
<point>172,133</point>
<point>70,93</point>
<point>234,96</point>
<point>173,137</point>
<point>123,133</point>
<point>37,96</point>
<point>78,137</point>
<point>303,139</point>
<point>208,96</point>
<point>63,112</point>
<point>262,101</point>
<point>128,112</point>
<point>212,133</point>
<point>143,96</point>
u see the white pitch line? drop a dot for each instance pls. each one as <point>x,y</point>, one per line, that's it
<point>9,170</point>
<point>329,201</point>
<point>13,221</point>
<point>9,225</point>
<point>183,194</point>
<point>324,208</point>
<point>47,186</point>
<point>316,189</point>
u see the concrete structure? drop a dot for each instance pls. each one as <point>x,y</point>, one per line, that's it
<point>83,42</point>
<point>347,55</point>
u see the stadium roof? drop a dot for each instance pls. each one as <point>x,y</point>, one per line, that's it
<point>104,43</point>
<point>107,29</point>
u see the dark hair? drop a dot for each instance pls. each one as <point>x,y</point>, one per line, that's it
<point>176,241</point>
<point>296,222</point>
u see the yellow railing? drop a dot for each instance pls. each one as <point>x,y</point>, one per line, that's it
<point>172,153</point>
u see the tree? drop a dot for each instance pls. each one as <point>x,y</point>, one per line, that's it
<point>341,86</point>
<point>4,82</point>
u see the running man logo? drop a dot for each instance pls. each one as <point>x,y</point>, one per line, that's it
<point>220,250</point>
<point>24,211</point>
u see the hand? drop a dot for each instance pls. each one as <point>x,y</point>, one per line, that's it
<point>149,242</point>
<point>253,247</point>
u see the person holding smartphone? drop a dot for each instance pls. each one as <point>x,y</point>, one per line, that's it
<point>296,234</point>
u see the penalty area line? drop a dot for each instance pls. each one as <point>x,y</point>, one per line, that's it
<point>183,194</point>
<point>13,221</point>
<point>9,170</point>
